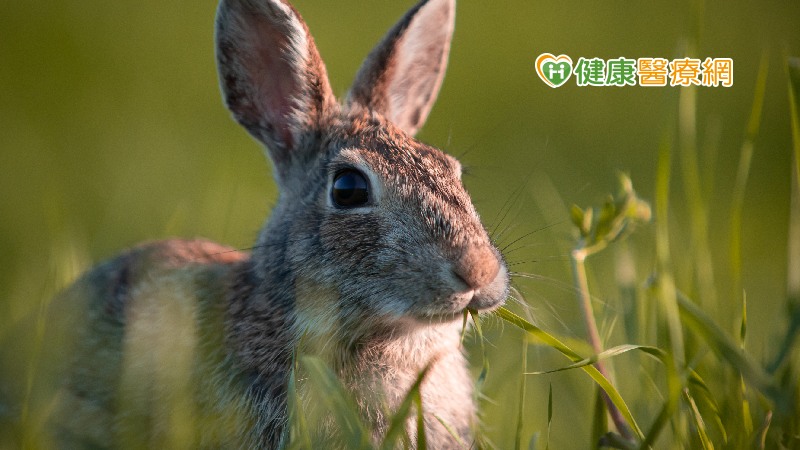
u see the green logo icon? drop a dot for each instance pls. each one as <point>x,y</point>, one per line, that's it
<point>554,70</point>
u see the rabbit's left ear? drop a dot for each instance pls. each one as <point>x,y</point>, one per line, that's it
<point>401,77</point>
<point>272,77</point>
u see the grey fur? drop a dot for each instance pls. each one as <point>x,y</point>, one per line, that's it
<point>377,291</point>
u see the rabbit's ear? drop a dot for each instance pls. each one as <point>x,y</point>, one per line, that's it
<point>402,75</point>
<point>272,77</point>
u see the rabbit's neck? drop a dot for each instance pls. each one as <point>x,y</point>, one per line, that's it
<point>383,372</point>
<point>410,349</point>
<point>401,349</point>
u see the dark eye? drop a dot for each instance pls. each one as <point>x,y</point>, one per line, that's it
<point>349,189</point>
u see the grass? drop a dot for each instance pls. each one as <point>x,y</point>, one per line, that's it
<point>719,362</point>
<point>700,361</point>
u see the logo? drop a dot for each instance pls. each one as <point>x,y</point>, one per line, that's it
<point>554,70</point>
<point>710,72</point>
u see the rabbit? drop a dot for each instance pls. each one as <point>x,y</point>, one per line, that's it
<point>369,259</point>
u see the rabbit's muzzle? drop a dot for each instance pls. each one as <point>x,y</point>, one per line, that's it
<point>481,269</point>
<point>477,266</point>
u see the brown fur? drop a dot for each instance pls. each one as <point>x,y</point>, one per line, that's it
<point>189,343</point>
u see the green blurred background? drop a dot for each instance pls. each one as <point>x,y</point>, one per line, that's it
<point>112,132</point>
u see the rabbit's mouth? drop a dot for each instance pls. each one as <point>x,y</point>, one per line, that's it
<point>487,298</point>
<point>485,304</point>
<point>458,314</point>
<point>492,295</point>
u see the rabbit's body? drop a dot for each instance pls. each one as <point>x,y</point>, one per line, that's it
<point>193,309</point>
<point>369,259</point>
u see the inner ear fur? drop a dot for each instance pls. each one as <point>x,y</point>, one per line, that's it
<point>271,75</point>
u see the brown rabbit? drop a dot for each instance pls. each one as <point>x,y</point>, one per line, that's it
<point>369,259</point>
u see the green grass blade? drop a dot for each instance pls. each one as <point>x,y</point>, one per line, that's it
<point>703,396</point>
<point>743,328</point>
<point>698,422</point>
<point>299,435</point>
<point>422,443</point>
<point>693,194</point>
<point>793,282</point>
<point>747,419</point>
<point>762,432</point>
<point>614,351</point>
<point>668,409</point>
<point>666,282</point>
<point>398,420</point>
<point>553,342</point>
<point>745,158</point>
<point>521,404</point>
<point>793,65</point>
<point>464,326</point>
<point>787,347</point>
<point>549,415</point>
<point>665,292</point>
<point>485,364</point>
<point>599,419</point>
<point>727,349</point>
<point>539,334</point>
<point>451,431</point>
<point>336,398</point>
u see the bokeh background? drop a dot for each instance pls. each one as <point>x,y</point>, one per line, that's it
<point>112,131</point>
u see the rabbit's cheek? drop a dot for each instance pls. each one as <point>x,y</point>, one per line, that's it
<point>350,238</point>
<point>321,312</point>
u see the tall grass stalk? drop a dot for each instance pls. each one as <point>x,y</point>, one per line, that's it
<point>666,294</point>
<point>745,159</point>
<point>793,283</point>
<point>521,404</point>
<point>693,192</point>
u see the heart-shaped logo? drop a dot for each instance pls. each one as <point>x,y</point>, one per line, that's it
<point>554,70</point>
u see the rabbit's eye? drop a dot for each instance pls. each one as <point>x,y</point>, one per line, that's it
<point>349,189</point>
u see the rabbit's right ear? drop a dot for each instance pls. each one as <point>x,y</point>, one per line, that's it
<point>272,77</point>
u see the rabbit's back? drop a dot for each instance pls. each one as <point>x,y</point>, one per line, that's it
<point>154,362</point>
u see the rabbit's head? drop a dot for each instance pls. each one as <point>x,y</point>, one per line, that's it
<point>371,226</point>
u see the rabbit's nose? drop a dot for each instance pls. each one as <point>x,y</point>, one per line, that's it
<point>477,266</point>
